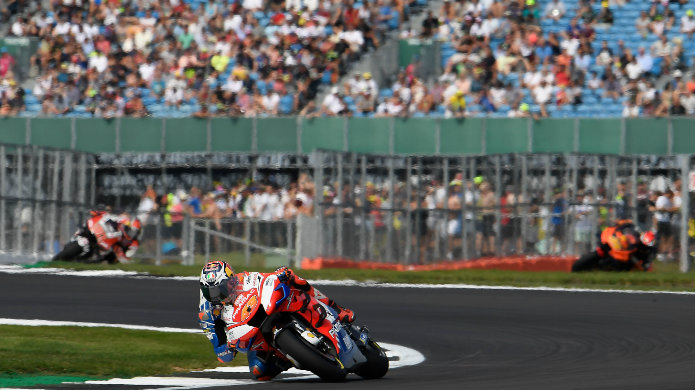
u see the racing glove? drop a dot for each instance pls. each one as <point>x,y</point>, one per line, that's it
<point>285,274</point>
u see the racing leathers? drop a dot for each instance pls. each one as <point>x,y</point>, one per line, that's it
<point>620,248</point>
<point>264,364</point>
<point>101,239</point>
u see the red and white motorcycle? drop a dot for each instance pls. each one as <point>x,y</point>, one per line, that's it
<point>301,330</point>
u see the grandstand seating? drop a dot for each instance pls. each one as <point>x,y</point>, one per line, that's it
<point>594,103</point>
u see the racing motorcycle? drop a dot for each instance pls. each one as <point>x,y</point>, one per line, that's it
<point>303,331</point>
<point>93,242</point>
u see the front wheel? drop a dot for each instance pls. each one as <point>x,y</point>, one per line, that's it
<point>309,357</point>
<point>377,363</point>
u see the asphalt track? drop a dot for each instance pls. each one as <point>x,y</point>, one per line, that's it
<point>471,338</point>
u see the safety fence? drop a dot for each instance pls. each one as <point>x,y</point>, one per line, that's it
<point>419,210</point>
<point>382,208</point>
<point>130,138</point>
<point>44,193</point>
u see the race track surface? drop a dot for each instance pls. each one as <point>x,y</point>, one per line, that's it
<point>471,338</point>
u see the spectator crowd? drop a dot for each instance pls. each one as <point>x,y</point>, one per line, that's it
<point>515,58</point>
<point>435,213</point>
<point>519,59</point>
<point>211,57</point>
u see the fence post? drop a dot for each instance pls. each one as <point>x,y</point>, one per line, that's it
<point>683,238</point>
<point>191,223</point>
<point>207,240</point>
<point>3,191</point>
<point>288,239</point>
<point>498,209</point>
<point>466,209</point>
<point>19,190</point>
<point>339,211</point>
<point>38,206</point>
<point>247,238</point>
<point>158,240</point>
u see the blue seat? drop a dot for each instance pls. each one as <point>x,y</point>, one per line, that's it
<point>385,93</point>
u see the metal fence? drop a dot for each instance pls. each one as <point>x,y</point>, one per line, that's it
<point>43,194</point>
<point>427,209</point>
<point>405,209</point>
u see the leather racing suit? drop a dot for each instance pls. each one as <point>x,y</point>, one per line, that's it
<point>264,364</point>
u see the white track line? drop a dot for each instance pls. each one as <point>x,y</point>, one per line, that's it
<point>401,357</point>
<point>17,269</point>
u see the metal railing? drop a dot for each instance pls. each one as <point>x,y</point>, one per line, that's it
<point>405,209</point>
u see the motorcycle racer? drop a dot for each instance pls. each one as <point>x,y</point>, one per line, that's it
<point>104,237</point>
<point>219,286</point>
<point>622,247</point>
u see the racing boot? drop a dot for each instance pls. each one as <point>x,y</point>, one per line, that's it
<point>344,314</point>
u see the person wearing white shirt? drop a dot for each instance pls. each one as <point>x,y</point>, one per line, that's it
<point>630,110</point>
<point>148,20</point>
<point>687,23</point>
<point>368,84</point>
<point>61,28</point>
<point>254,5</point>
<point>233,22</point>
<point>571,46</point>
<point>633,70</point>
<point>91,29</point>
<point>531,79</point>
<point>543,93</point>
<point>477,29</point>
<point>270,102</point>
<point>473,7</point>
<point>333,104</point>
<point>555,10</point>
<point>18,27</point>
<point>354,38</point>
<point>143,38</point>
<point>98,61</point>
<point>146,70</point>
<point>394,107</point>
<point>233,84</point>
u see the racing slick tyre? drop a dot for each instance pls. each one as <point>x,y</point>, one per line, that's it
<point>69,253</point>
<point>587,262</point>
<point>377,363</point>
<point>309,357</point>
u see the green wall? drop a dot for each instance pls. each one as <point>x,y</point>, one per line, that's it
<point>408,136</point>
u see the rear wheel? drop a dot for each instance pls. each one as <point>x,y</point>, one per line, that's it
<point>309,357</point>
<point>70,252</point>
<point>377,363</point>
<point>587,262</point>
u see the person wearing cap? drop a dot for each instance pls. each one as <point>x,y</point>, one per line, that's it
<point>368,84</point>
<point>352,86</point>
<point>686,25</point>
<point>333,104</point>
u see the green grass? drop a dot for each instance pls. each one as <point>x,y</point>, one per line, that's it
<point>666,276</point>
<point>45,355</point>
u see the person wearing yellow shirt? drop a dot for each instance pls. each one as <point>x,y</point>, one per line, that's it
<point>219,61</point>
<point>457,104</point>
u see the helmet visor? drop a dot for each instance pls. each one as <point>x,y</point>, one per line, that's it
<point>224,293</point>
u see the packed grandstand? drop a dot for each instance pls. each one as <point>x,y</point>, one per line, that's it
<point>499,58</point>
